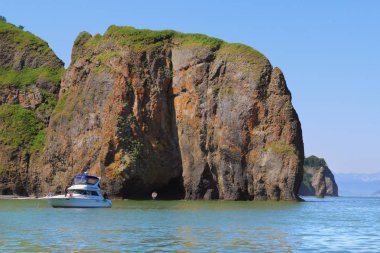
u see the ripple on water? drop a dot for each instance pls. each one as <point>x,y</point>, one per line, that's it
<point>328,225</point>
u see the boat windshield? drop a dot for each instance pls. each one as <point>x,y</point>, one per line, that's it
<point>84,192</point>
<point>85,179</point>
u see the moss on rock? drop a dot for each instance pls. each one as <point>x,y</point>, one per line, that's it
<point>280,147</point>
<point>20,128</point>
<point>28,76</point>
<point>22,49</point>
<point>82,38</point>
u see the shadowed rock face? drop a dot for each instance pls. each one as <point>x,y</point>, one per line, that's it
<point>318,180</point>
<point>29,84</point>
<point>187,116</point>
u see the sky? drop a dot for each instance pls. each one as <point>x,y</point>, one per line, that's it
<point>328,50</point>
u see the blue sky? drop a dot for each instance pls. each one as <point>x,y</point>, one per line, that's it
<point>328,50</point>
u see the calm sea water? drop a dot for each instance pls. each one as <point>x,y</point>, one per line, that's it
<point>318,225</point>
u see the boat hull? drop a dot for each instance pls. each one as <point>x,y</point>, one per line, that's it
<point>63,202</point>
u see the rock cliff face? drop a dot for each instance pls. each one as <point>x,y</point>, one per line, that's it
<point>318,180</point>
<point>185,115</point>
<point>29,84</point>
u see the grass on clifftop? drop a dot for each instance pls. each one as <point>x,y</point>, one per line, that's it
<point>237,52</point>
<point>22,39</point>
<point>26,42</point>
<point>82,38</point>
<point>29,76</point>
<point>129,35</point>
<point>144,39</point>
<point>19,127</point>
<point>141,39</point>
<point>313,161</point>
<point>190,39</point>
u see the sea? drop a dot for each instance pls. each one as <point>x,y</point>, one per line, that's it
<point>342,224</point>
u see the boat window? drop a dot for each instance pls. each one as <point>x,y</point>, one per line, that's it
<point>76,191</point>
<point>92,180</point>
<point>82,192</point>
<point>85,179</point>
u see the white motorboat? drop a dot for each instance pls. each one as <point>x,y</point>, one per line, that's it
<point>84,193</point>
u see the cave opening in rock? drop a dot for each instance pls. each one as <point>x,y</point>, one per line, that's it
<point>174,190</point>
<point>7,191</point>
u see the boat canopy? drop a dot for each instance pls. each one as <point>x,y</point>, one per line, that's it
<point>85,179</point>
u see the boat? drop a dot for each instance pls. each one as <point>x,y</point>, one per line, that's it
<point>83,193</point>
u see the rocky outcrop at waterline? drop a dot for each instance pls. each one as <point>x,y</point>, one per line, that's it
<point>30,74</point>
<point>318,180</point>
<point>185,115</point>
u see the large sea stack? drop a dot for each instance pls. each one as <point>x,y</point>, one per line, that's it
<point>318,180</point>
<point>185,115</point>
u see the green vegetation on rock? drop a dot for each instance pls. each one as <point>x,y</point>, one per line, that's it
<point>82,38</point>
<point>133,146</point>
<point>313,161</point>
<point>22,39</point>
<point>106,56</point>
<point>61,103</point>
<point>138,39</point>
<point>19,127</point>
<point>145,39</point>
<point>2,168</point>
<point>226,90</point>
<point>30,76</point>
<point>127,35</point>
<point>191,39</point>
<point>50,101</point>
<point>34,60</point>
<point>306,181</point>
<point>280,147</point>
<point>240,52</point>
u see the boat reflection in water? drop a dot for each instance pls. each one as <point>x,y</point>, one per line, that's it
<point>84,193</point>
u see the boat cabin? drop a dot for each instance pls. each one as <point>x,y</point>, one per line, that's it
<point>85,180</point>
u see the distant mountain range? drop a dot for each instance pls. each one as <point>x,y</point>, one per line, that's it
<point>358,184</point>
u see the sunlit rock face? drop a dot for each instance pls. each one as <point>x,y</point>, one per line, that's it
<point>187,116</point>
<point>184,115</point>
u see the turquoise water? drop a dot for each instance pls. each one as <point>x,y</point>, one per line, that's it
<point>318,225</point>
